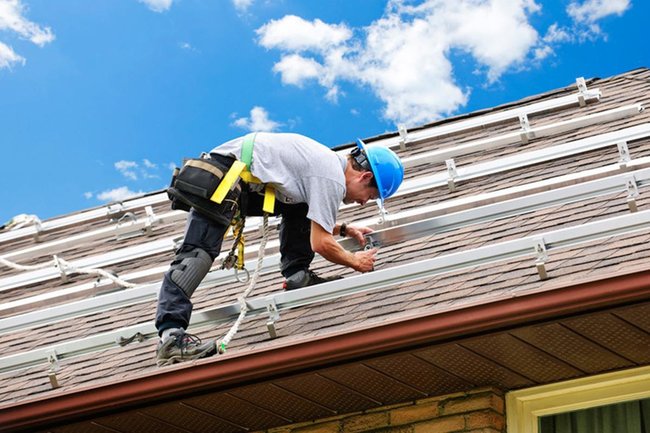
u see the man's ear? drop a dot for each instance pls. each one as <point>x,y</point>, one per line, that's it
<point>367,176</point>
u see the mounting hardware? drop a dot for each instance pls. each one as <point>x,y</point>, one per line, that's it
<point>53,360</point>
<point>123,228</point>
<point>452,174</point>
<point>582,89</point>
<point>138,336</point>
<point>623,154</point>
<point>150,221</point>
<point>382,213</point>
<point>542,258</point>
<point>632,193</point>
<point>39,229</point>
<point>525,128</point>
<point>403,134</point>
<point>115,211</point>
<point>371,242</point>
<point>274,316</point>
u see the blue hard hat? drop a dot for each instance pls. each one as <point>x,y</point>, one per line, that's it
<point>386,168</point>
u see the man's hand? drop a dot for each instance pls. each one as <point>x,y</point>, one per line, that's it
<point>357,232</point>
<point>323,243</point>
<point>365,260</point>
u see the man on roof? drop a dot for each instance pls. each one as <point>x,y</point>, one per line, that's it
<point>310,181</point>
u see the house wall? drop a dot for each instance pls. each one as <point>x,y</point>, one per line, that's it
<point>477,411</point>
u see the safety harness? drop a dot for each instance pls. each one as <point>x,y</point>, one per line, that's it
<point>202,184</point>
<point>241,169</point>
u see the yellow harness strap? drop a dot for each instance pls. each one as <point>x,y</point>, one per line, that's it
<point>240,169</point>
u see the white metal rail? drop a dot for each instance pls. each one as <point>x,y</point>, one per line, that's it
<point>479,120</point>
<point>380,279</point>
<point>426,133</point>
<point>403,227</point>
<point>519,160</point>
<point>522,135</point>
<point>616,173</point>
<point>525,159</point>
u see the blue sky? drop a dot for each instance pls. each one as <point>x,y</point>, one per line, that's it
<point>98,98</point>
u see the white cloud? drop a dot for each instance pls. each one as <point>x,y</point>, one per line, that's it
<point>292,33</point>
<point>404,57</point>
<point>258,121</point>
<point>12,20</point>
<point>117,194</point>
<point>296,69</point>
<point>591,11</point>
<point>158,5</point>
<point>149,164</point>
<point>127,169</point>
<point>586,15</point>
<point>242,5</point>
<point>557,34</point>
<point>88,195</point>
<point>543,52</point>
<point>8,57</point>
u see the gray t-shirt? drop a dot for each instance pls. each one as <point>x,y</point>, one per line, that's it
<point>302,170</point>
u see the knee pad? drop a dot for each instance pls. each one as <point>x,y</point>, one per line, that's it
<point>189,268</point>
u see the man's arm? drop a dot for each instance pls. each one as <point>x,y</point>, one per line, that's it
<point>323,243</point>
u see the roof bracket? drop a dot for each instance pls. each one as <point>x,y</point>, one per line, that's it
<point>371,242</point>
<point>542,258</point>
<point>53,360</point>
<point>382,213</point>
<point>623,154</point>
<point>39,229</point>
<point>122,229</point>
<point>525,128</point>
<point>632,193</point>
<point>115,210</point>
<point>274,316</point>
<point>150,221</point>
<point>582,89</point>
<point>452,174</point>
<point>403,136</point>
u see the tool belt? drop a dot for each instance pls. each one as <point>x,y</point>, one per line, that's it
<point>194,184</point>
<point>204,185</point>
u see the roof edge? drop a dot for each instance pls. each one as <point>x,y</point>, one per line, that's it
<point>207,375</point>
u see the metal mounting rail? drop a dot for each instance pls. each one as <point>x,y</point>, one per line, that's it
<point>479,120</point>
<point>451,214</point>
<point>380,279</point>
<point>136,227</point>
<point>460,174</point>
<point>522,135</point>
<point>525,159</point>
<point>488,119</point>
<point>69,220</point>
<point>429,157</point>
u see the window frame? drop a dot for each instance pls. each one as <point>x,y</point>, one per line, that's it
<point>525,407</point>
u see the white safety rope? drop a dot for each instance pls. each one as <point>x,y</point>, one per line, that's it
<point>243,306</point>
<point>65,268</point>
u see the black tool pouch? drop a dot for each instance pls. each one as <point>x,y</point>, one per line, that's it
<point>193,185</point>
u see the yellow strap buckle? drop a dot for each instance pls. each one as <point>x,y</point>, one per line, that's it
<point>228,182</point>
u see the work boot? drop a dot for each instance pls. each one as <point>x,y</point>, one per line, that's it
<point>304,278</point>
<point>181,346</point>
